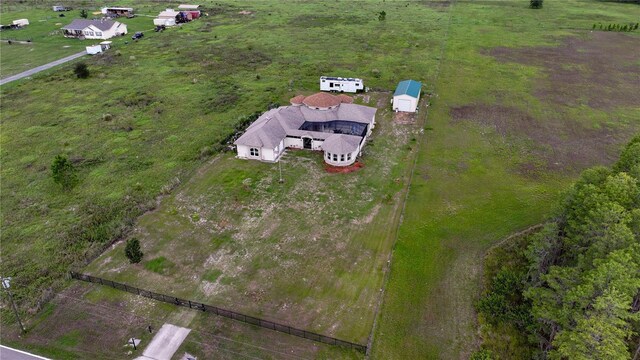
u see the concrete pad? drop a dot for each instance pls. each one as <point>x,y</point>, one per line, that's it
<point>165,343</point>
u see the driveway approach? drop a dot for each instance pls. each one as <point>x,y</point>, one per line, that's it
<point>41,68</point>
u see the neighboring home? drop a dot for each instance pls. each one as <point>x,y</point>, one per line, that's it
<point>340,84</point>
<point>117,11</point>
<point>94,29</point>
<point>61,8</point>
<point>188,7</point>
<point>20,22</point>
<point>406,96</point>
<point>166,18</point>
<point>325,122</point>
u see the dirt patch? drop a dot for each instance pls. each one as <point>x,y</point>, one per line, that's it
<point>599,69</point>
<point>437,4</point>
<point>343,169</point>
<point>401,117</point>
<point>559,144</point>
<point>245,12</point>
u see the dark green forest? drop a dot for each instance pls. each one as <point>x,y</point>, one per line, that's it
<point>572,289</point>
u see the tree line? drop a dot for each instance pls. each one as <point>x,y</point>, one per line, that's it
<point>574,288</point>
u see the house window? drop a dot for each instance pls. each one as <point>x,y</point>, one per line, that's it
<point>328,156</point>
<point>98,33</point>
<point>90,33</point>
<point>335,157</point>
<point>342,157</point>
<point>254,152</point>
<point>348,156</point>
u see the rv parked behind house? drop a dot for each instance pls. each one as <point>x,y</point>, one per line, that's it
<point>340,84</point>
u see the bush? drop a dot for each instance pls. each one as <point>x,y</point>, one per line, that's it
<point>535,4</point>
<point>382,15</point>
<point>63,172</point>
<point>132,251</point>
<point>81,70</point>
<point>84,14</point>
<point>482,354</point>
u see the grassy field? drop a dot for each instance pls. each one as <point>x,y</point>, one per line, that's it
<point>521,106</point>
<point>523,100</point>
<point>308,252</point>
<point>46,40</point>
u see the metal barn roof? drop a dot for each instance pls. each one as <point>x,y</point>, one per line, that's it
<point>408,87</point>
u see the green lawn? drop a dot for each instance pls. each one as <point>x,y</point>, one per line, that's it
<point>469,189</point>
<point>235,237</point>
<point>46,40</point>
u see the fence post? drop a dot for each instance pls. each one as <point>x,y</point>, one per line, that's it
<point>189,304</point>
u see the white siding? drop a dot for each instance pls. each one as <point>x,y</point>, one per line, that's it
<point>405,103</point>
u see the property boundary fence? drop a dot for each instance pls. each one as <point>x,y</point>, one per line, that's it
<point>222,312</point>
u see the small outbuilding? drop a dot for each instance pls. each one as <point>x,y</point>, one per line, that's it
<point>407,95</point>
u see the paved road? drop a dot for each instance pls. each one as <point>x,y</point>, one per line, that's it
<point>7,353</point>
<point>41,68</point>
<point>165,343</point>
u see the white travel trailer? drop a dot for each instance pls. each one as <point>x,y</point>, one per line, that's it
<point>339,84</point>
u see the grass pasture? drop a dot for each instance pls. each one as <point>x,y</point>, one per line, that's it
<point>522,100</point>
<point>309,252</point>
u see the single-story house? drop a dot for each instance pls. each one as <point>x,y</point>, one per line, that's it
<point>166,18</point>
<point>407,95</point>
<point>117,11</point>
<point>324,122</point>
<point>94,29</point>
<point>188,7</point>
<point>21,22</point>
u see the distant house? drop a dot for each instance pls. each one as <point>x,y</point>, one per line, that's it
<point>194,10</point>
<point>166,18</point>
<point>94,29</point>
<point>407,95</point>
<point>324,122</point>
<point>21,22</point>
<point>61,8</point>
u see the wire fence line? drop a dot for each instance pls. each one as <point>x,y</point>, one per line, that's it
<point>271,325</point>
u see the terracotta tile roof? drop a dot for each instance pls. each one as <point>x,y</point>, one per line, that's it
<point>322,100</point>
<point>297,100</point>
<point>346,99</point>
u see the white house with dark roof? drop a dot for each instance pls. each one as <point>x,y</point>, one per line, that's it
<point>321,122</point>
<point>94,29</point>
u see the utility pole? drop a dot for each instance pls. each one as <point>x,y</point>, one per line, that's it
<point>6,284</point>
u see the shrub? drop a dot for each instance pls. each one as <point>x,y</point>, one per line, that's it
<point>382,15</point>
<point>81,70</point>
<point>535,4</point>
<point>63,172</point>
<point>132,251</point>
<point>482,354</point>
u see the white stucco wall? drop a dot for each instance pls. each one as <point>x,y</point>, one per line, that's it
<point>405,103</point>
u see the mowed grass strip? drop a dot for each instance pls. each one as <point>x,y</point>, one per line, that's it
<point>482,175</point>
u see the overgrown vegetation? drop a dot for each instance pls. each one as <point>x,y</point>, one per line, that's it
<point>81,70</point>
<point>574,287</point>
<point>63,172</point>
<point>536,4</point>
<point>616,27</point>
<point>132,251</point>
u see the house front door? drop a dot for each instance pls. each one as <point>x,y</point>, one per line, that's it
<point>306,143</point>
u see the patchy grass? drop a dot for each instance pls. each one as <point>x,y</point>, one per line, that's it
<point>498,156</point>
<point>159,265</point>
<point>235,242</point>
<point>175,93</point>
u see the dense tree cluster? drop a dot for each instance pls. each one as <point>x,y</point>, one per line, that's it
<point>579,298</point>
